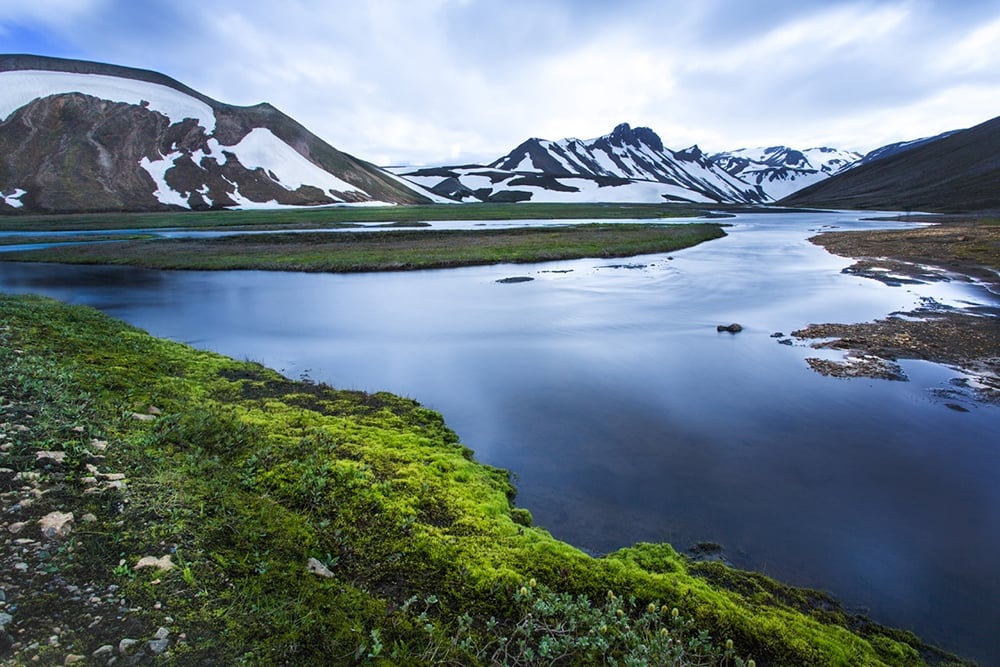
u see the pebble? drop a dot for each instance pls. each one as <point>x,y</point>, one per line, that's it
<point>162,633</point>
<point>105,650</point>
<point>125,645</point>
<point>158,646</point>
<point>5,619</point>
<point>72,659</point>
<point>16,528</point>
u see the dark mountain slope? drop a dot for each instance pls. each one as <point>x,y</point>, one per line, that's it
<point>957,173</point>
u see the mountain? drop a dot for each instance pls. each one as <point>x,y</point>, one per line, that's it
<point>957,172</point>
<point>898,147</point>
<point>80,136</point>
<point>627,165</point>
<point>779,170</point>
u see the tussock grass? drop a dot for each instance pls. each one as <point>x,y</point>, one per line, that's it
<point>386,250</point>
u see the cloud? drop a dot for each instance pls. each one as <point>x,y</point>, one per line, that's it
<point>425,81</point>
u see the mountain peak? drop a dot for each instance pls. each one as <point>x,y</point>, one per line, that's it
<point>625,134</point>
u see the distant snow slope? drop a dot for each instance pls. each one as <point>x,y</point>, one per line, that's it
<point>22,86</point>
<point>627,165</point>
<point>779,170</point>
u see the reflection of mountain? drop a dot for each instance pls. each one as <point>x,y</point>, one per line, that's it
<point>957,171</point>
<point>81,136</point>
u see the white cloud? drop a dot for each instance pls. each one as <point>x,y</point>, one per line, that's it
<point>420,81</point>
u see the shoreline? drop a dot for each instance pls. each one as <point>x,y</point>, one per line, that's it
<point>960,248</point>
<point>172,502</point>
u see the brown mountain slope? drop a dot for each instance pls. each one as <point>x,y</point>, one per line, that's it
<point>71,152</point>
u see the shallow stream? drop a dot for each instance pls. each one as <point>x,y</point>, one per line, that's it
<point>625,416</point>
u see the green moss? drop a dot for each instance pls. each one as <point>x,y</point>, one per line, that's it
<point>247,475</point>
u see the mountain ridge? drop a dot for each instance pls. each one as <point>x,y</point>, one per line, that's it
<point>67,145</point>
<point>955,172</point>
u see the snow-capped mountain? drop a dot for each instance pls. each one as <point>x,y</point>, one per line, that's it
<point>779,171</point>
<point>82,136</point>
<point>627,165</point>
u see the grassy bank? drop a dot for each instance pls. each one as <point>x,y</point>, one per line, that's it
<point>293,523</point>
<point>336,216</point>
<point>384,251</point>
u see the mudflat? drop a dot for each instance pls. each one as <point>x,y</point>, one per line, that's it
<point>957,248</point>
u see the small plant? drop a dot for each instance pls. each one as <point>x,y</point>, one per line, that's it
<point>558,628</point>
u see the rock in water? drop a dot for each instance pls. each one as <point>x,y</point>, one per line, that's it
<point>731,328</point>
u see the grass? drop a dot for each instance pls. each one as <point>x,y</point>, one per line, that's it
<point>243,476</point>
<point>332,217</point>
<point>384,251</point>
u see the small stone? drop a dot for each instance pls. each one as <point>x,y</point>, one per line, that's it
<point>78,429</point>
<point>99,445</point>
<point>777,334</point>
<point>16,528</point>
<point>21,567</point>
<point>139,417</point>
<point>158,646</point>
<point>72,659</point>
<point>88,518</point>
<point>5,620</point>
<point>56,457</point>
<point>163,562</point>
<point>731,328</point>
<point>153,410</point>
<point>103,651</point>
<point>125,646</point>
<point>313,566</point>
<point>56,524</point>
<point>3,595</point>
<point>162,633</point>
<point>113,476</point>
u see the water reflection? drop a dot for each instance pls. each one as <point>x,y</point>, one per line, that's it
<point>625,416</point>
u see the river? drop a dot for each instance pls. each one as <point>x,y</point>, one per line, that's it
<point>625,416</point>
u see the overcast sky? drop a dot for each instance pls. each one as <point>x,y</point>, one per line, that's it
<point>432,81</point>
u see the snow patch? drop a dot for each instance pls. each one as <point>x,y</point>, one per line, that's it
<point>20,87</point>
<point>262,149</point>
<point>157,169</point>
<point>14,200</point>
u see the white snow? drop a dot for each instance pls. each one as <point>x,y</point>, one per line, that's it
<point>14,200</point>
<point>526,165</point>
<point>639,192</point>
<point>20,87</point>
<point>262,149</point>
<point>158,171</point>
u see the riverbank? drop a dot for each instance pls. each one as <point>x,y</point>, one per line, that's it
<point>164,501</point>
<point>338,217</point>
<point>968,339</point>
<point>395,250</point>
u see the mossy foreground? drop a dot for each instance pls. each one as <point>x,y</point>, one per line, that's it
<point>243,481</point>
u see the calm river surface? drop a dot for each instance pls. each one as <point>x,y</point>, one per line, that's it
<point>605,388</point>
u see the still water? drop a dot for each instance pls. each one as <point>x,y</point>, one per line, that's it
<point>625,416</point>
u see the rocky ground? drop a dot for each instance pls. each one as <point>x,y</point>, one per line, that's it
<point>967,339</point>
<point>60,601</point>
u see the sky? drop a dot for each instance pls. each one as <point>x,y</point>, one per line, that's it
<point>456,81</point>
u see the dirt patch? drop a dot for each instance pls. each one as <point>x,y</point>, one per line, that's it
<point>968,339</point>
<point>955,249</point>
